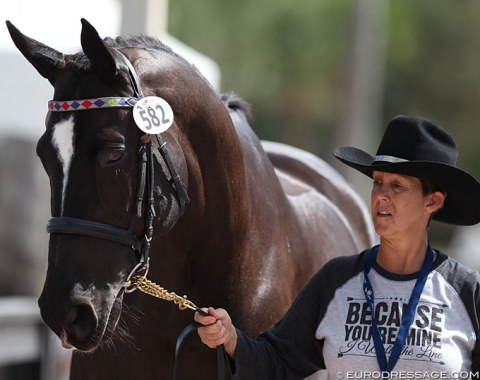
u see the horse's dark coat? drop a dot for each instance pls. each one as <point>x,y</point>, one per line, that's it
<point>251,236</point>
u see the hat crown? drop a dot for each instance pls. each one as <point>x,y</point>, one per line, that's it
<point>417,139</point>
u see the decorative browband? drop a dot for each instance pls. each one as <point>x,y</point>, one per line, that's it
<point>87,104</point>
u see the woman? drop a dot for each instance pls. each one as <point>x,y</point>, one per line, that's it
<point>399,309</point>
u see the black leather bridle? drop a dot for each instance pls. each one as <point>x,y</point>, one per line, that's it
<point>141,245</point>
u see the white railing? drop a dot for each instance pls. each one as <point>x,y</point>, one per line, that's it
<point>25,339</point>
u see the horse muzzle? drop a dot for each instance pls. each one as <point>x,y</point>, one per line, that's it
<point>89,319</point>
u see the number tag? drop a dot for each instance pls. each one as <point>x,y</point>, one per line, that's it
<point>153,115</point>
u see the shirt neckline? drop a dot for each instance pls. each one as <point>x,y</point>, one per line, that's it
<point>404,277</point>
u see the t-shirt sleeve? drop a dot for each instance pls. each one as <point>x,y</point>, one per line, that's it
<point>289,350</point>
<point>466,283</point>
<point>476,323</point>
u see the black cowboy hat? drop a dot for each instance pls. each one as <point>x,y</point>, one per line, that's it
<point>416,147</point>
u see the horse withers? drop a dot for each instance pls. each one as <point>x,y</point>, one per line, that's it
<point>206,207</point>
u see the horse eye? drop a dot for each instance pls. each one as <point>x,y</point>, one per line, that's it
<point>113,153</point>
<point>114,156</point>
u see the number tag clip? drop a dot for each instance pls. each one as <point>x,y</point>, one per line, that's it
<point>153,115</point>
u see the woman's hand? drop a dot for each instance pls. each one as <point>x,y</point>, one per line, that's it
<point>218,330</point>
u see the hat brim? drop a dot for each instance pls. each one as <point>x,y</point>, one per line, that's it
<point>462,204</point>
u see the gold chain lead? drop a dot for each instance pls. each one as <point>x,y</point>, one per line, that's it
<point>149,287</point>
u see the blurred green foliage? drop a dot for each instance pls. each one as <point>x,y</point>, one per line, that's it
<point>290,60</point>
<point>286,58</point>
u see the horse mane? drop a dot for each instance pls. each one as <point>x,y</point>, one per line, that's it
<point>139,41</point>
<point>79,61</point>
<point>235,103</point>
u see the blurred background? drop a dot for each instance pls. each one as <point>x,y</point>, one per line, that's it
<point>318,74</point>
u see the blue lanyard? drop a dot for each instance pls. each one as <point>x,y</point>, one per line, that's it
<point>387,366</point>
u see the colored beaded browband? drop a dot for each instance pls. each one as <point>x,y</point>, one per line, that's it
<point>87,104</point>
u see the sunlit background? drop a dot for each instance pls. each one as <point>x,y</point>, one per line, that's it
<point>318,74</point>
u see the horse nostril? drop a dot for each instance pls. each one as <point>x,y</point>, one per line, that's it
<point>81,323</point>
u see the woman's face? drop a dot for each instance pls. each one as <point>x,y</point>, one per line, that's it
<point>399,207</point>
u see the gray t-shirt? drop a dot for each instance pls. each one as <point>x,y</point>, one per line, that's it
<point>329,325</point>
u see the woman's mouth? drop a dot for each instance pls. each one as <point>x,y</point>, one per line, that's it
<point>383,213</point>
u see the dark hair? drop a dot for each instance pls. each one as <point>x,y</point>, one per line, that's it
<point>429,187</point>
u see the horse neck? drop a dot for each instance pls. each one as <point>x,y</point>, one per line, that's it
<point>225,164</point>
<point>216,161</point>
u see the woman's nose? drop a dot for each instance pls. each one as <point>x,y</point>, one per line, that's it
<point>381,191</point>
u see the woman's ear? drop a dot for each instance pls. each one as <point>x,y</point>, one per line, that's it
<point>434,202</point>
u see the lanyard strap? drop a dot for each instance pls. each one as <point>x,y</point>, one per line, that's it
<point>387,366</point>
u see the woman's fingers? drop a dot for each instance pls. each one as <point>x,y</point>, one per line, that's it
<point>217,329</point>
<point>206,319</point>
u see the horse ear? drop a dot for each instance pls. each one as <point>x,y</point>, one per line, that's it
<point>46,60</point>
<point>97,51</point>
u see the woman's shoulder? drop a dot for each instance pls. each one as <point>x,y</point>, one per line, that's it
<point>463,279</point>
<point>349,262</point>
<point>341,268</point>
<point>454,271</point>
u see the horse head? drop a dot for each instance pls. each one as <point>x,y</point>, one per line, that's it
<point>111,184</point>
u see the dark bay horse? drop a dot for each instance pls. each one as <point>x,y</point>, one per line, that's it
<point>225,219</point>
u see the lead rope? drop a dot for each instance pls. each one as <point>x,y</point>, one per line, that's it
<point>146,286</point>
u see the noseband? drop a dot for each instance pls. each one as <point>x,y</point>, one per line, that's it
<point>141,245</point>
